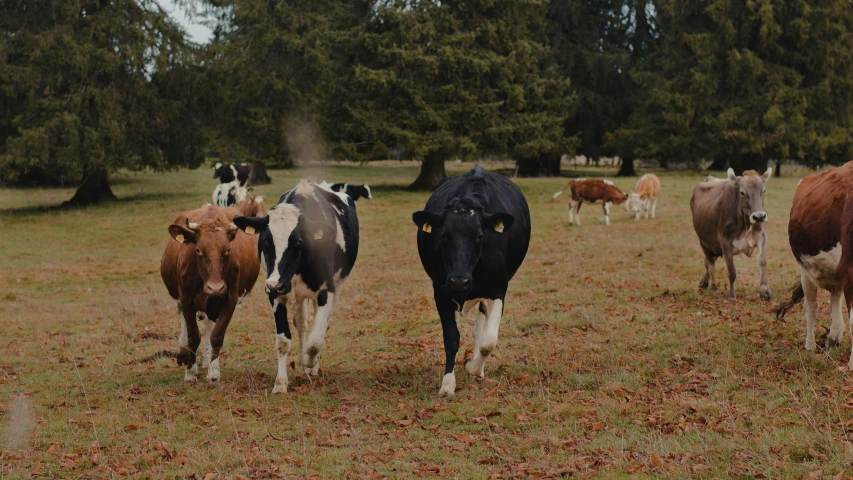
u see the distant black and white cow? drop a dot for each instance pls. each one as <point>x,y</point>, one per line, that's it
<point>308,244</point>
<point>229,194</point>
<point>354,191</point>
<point>227,173</point>
<point>473,235</point>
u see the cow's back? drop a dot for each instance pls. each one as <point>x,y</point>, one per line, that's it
<point>816,212</point>
<point>648,186</point>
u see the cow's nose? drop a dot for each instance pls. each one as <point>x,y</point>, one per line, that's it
<point>459,283</point>
<point>274,288</point>
<point>215,289</point>
<point>759,217</point>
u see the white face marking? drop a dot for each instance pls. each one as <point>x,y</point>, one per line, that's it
<point>608,182</point>
<point>369,195</point>
<point>821,268</point>
<point>283,220</point>
<point>217,166</point>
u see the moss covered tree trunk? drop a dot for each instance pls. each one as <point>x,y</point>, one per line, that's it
<point>541,166</point>
<point>95,187</point>
<point>627,168</point>
<point>432,171</point>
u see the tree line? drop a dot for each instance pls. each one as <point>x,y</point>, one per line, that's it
<point>91,86</point>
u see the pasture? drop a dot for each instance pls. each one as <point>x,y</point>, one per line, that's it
<point>610,363</point>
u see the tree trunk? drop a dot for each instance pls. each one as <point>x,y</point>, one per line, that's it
<point>95,187</point>
<point>719,163</point>
<point>778,172</point>
<point>541,166</point>
<point>627,168</point>
<point>432,171</point>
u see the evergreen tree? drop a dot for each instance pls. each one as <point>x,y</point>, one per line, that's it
<point>744,82</point>
<point>450,78</point>
<point>87,87</point>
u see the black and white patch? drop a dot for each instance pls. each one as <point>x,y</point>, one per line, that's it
<point>353,191</point>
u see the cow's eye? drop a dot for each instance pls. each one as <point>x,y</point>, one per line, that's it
<point>479,237</point>
<point>297,243</point>
<point>198,251</point>
<point>742,193</point>
<point>228,252</point>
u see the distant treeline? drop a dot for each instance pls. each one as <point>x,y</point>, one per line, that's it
<point>87,87</point>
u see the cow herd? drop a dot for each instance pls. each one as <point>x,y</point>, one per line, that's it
<point>472,236</point>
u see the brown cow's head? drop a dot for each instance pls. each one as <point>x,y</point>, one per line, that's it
<point>751,193</point>
<point>253,207</point>
<point>212,248</point>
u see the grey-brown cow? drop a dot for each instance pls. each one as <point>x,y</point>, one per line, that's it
<point>729,218</point>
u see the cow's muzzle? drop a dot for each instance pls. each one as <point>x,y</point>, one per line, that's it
<point>276,289</point>
<point>758,217</point>
<point>216,289</point>
<point>459,283</point>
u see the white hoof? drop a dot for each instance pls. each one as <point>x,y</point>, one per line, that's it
<point>475,367</point>
<point>280,386</point>
<point>811,345</point>
<point>448,386</point>
<point>190,374</point>
<point>213,373</point>
<point>311,357</point>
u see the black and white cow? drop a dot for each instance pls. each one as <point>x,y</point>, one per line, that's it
<point>227,173</point>
<point>308,244</point>
<point>354,191</point>
<point>229,194</point>
<point>473,235</point>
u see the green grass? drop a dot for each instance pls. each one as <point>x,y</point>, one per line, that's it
<point>611,363</point>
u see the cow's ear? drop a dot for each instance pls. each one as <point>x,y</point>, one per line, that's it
<point>498,221</point>
<point>252,225</point>
<point>181,234</point>
<point>731,174</point>
<point>767,174</point>
<point>426,221</point>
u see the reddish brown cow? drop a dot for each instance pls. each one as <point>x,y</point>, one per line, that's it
<point>592,191</point>
<point>820,235</point>
<point>253,206</point>
<point>208,266</point>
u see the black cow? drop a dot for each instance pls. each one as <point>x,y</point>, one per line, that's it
<point>473,235</point>
<point>229,172</point>
<point>307,243</point>
<point>354,191</point>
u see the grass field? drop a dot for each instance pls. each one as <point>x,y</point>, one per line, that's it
<point>611,363</point>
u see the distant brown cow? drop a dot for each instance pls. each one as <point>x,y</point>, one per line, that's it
<point>592,191</point>
<point>820,216</point>
<point>645,199</point>
<point>207,267</point>
<point>729,218</point>
<point>253,207</point>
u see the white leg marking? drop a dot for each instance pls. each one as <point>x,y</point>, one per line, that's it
<point>282,346</point>
<point>850,363</point>
<point>810,307</point>
<point>205,342</point>
<point>317,337</point>
<point>607,213</point>
<point>487,339</point>
<point>183,340</point>
<point>300,320</point>
<point>213,373</point>
<point>654,206</point>
<point>571,212</point>
<point>448,385</point>
<point>836,330</point>
<point>190,373</point>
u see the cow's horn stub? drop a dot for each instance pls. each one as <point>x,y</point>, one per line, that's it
<point>191,225</point>
<point>232,227</point>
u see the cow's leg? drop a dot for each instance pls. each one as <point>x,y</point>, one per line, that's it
<point>810,307</point>
<point>572,205</point>
<point>217,336</point>
<point>606,207</point>
<point>710,260</point>
<point>447,313</point>
<point>189,341</point>
<point>850,363</point>
<point>324,306</point>
<point>479,325</point>
<point>836,329</point>
<point>205,342</point>
<point>764,287</point>
<point>654,206</point>
<point>729,257</point>
<point>488,338</point>
<point>300,319</point>
<point>283,341</point>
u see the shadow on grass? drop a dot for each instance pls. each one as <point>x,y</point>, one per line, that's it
<point>44,209</point>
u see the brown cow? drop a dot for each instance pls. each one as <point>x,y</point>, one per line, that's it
<point>645,199</point>
<point>729,218</point>
<point>819,232</point>
<point>592,191</point>
<point>253,206</point>
<point>208,266</point>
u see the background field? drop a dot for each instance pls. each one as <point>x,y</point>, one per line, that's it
<point>610,362</point>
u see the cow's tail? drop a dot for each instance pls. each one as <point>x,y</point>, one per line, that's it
<point>554,197</point>
<point>797,296</point>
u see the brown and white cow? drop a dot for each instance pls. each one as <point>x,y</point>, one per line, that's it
<point>729,218</point>
<point>253,206</point>
<point>820,238</point>
<point>645,199</point>
<point>592,191</point>
<point>208,266</point>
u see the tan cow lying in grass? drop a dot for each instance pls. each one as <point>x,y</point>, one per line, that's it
<point>645,199</point>
<point>592,191</point>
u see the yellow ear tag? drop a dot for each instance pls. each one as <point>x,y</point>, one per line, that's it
<point>179,238</point>
<point>250,230</point>
<point>499,227</point>
<point>318,235</point>
<point>427,228</point>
